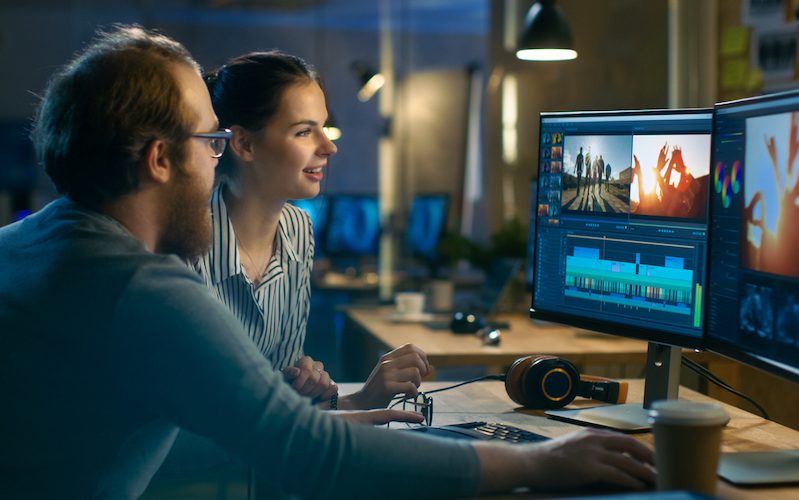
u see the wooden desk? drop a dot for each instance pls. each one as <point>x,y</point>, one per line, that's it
<point>488,401</point>
<point>372,334</point>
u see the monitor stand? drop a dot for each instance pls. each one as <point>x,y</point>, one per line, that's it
<point>662,382</point>
<point>753,468</point>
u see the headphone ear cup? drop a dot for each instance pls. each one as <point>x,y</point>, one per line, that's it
<point>551,383</point>
<point>542,382</point>
<point>514,380</point>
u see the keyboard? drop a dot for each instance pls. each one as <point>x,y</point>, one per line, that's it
<point>483,431</point>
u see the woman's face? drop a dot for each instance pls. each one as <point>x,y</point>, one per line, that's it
<point>290,153</point>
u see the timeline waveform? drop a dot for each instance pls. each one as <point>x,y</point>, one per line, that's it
<point>665,287</point>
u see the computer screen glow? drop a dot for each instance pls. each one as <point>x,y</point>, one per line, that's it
<point>753,299</point>
<point>621,222</point>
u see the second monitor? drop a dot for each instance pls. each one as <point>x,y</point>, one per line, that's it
<point>427,222</point>
<point>353,225</point>
<point>621,236</point>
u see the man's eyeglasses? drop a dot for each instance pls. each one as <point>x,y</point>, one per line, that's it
<point>422,403</point>
<point>216,140</point>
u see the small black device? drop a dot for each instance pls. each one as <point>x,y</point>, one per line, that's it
<point>464,322</point>
<point>483,431</point>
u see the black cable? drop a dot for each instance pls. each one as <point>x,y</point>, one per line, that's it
<point>471,381</point>
<point>704,372</point>
<point>478,379</point>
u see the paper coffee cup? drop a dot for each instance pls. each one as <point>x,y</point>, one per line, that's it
<point>409,303</point>
<point>441,293</point>
<point>687,444</point>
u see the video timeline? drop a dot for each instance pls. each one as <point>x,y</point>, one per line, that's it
<point>641,278</point>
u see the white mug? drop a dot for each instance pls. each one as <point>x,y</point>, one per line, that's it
<point>409,303</point>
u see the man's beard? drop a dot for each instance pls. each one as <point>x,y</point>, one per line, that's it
<point>188,229</point>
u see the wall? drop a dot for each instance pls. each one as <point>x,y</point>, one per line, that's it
<point>36,40</point>
<point>622,64</point>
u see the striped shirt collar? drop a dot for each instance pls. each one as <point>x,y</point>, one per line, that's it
<point>224,256</point>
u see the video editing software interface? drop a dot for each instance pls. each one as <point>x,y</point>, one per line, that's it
<point>621,221</point>
<point>753,299</point>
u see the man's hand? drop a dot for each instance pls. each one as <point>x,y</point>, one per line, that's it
<point>379,417</point>
<point>576,460</point>
<point>398,372</point>
<point>309,378</point>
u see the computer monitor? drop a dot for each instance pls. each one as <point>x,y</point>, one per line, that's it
<point>316,208</point>
<point>427,222</point>
<point>353,226</point>
<point>753,276</point>
<point>18,172</point>
<point>621,237</point>
<point>530,254</point>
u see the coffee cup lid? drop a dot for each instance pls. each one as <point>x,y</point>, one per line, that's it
<point>683,412</point>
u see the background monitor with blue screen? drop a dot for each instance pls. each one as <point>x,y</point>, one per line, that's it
<point>753,279</point>
<point>316,208</point>
<point>427,222</point>
<point>19,163</point>
<point>18,170</point>
<point>529,255</point>
<point>353,225</point>
<point>621,227</point>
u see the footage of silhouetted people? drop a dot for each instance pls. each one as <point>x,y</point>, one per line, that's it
<point>596,174</point>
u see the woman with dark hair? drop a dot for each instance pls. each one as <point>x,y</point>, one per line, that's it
<point>262,253</point>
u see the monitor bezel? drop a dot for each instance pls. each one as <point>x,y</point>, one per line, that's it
<point>660,336</point>
<point>717,345</point>
<point>332,198</point>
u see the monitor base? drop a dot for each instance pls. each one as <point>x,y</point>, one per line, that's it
<point>760,467</point>
<point>630,417</point>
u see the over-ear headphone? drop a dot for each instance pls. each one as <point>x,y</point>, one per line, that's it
<point>546,382</point>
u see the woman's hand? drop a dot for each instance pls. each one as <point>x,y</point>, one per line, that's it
<point>398,372</point>
<point>309,378</point>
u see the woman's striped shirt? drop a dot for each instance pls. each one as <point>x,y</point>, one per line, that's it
<point>275,313</point>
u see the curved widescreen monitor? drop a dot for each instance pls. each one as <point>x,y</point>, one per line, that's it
<point>353,225</point>
<point>753,295</point>
<point>621,222</point>
<point>427,222</point>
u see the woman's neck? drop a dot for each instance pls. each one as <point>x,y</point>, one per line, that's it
<point>255,219</point>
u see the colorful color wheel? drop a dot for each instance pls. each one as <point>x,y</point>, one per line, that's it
<point>726,193</point>
<point>736,177</point>
<point>718,176</point>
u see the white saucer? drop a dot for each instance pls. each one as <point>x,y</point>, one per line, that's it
<point>396,317</point>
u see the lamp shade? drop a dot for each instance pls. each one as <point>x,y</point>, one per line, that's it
<point>370,80</point>
<point>546,35</point>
